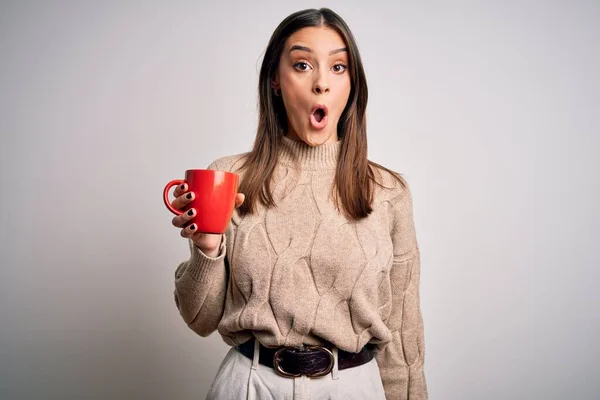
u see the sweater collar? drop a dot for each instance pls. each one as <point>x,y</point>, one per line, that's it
<point>320,157</point>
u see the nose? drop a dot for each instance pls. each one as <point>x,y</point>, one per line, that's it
<point>321,85</point>
<point>321,89</point>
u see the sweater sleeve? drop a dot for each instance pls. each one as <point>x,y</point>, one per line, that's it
<point>201,286</point>
<point>401,362</point>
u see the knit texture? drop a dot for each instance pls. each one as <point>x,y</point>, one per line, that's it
<point>301,273</point>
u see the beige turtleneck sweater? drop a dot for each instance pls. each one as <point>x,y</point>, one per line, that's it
<point>300,273</point>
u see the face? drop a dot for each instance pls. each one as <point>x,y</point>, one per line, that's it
<point>314,82</point>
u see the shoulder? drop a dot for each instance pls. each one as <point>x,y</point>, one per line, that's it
<point>396,199</point>
<point>230,163</point>
<point>390,186</point>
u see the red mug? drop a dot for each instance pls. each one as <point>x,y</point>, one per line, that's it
<point>214,199</point>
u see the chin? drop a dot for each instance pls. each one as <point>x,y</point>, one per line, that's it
<point>315,138</point>
<point>313,142</point>
<point>318,138</point>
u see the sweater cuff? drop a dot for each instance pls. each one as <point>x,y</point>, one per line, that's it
<point>202,266</point>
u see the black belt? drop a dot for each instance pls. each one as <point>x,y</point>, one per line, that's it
<point>312,361</point>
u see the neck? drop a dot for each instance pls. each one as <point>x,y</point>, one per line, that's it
<point>298,154</point>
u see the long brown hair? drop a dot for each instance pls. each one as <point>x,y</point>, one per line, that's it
<point>354,179</point>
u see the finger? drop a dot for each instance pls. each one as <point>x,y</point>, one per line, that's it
<point>181,201</point>
<point>179,190</point>
<point>239,199</point>
<point>181,220</point>
<point>188,231</point>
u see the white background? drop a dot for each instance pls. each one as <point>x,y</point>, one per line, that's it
<point>489,109</point>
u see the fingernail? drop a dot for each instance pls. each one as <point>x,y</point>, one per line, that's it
<point>182,187</point>
<point>188,196</point>
<point>193,227</point>
<point>191,212</point>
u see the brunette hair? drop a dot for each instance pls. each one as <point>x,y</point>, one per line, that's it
<point>353,187</point>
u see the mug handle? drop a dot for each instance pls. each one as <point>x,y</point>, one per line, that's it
<point>166,195</point>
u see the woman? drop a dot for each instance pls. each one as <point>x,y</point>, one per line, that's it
<point>315,284</point>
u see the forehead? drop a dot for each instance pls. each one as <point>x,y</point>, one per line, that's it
<point>319,39</point>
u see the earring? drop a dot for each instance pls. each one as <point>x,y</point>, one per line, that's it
<point>276,91</point>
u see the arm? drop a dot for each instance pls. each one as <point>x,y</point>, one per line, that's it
<point>401,362</point>
<point>200,288</point>
<point>201,285</point>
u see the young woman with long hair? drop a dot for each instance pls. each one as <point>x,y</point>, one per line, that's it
<point>315,284</point>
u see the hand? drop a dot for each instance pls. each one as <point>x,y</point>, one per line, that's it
<point>208,243</point>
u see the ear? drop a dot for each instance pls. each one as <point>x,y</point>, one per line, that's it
<point>275,82</point>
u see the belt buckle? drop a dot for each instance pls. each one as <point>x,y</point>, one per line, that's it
<point>286,374</point>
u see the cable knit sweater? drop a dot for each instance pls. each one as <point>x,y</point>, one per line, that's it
<point>301,273</point>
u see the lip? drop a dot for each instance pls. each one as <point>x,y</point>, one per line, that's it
<point>317,106</point>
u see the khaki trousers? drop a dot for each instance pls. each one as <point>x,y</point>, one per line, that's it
<point>238,378</point>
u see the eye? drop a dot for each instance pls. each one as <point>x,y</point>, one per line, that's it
<point>301,66</point>
<point>339,68</point>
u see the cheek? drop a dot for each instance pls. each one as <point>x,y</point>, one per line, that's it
<point>293,110</point>
<point>292,103</point>
<point>346,95</point>
<point>341,101</point>
<point>292,96</point>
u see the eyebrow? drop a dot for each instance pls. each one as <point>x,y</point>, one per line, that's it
<point>304,48</point>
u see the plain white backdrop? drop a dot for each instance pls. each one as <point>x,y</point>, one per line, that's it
<point>489,109</point>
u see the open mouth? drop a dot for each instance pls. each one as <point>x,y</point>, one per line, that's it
<point>318,116</point>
